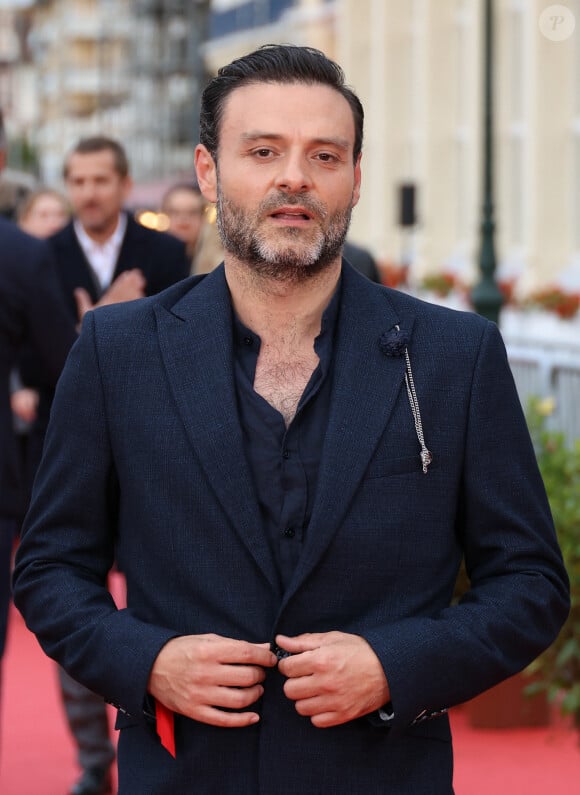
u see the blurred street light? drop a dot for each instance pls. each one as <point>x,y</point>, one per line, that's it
<point>486,296</point>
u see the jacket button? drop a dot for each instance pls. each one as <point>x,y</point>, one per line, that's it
<point>289,532</point>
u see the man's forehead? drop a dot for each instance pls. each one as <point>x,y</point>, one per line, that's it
<point>102,161</point>
<point>269,107</point>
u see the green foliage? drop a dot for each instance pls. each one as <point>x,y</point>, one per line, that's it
<point>558,668</point>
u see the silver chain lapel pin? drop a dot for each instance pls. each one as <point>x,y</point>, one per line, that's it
<point>395,343</point>
<point>426,455</point>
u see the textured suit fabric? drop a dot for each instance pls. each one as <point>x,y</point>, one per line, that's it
<point>144,460</point>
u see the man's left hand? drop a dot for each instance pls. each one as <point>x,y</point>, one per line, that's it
<point>333,677</point>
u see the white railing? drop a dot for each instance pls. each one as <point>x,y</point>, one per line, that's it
<point>549,372</point>
<point>544,354</point>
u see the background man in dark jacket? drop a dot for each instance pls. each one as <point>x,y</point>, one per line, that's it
<point>32,312</point>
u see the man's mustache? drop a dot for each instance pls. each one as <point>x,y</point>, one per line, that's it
<point>277,200</point>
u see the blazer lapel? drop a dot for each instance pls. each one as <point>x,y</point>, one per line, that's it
<point>131,253</point>
<point>365,387</point>
<point>196,344</point>
<point>74,265</point>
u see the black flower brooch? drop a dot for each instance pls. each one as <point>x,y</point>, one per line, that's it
<point>395,343</point>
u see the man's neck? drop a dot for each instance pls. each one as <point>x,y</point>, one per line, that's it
<point>101,235</point>
<point>288,313</point>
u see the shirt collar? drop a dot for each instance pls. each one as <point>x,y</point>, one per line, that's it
<point>244,336</point>
<point>112,243</point>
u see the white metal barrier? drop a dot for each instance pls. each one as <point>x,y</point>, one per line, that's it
<point>548,371</point>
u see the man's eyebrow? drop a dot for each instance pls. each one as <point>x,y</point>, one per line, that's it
<point>261,135</point>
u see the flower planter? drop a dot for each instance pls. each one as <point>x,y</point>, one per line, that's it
<point>536,326</point>
<point>506,706</point>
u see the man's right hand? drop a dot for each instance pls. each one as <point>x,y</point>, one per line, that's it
<point>200,676</point>
<point>128,286</point>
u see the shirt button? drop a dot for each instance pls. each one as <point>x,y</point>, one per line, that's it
<point>289,532</point>
<point>248,341</point>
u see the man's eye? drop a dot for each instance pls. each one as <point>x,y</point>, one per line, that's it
<point>263,152</point>
<point>327,157</point>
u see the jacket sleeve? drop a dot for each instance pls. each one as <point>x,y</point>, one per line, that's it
<point>519,595</point>
<point>68,546</point>
<point>49,332</point>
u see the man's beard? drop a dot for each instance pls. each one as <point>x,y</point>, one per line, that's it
<point>287,254</point>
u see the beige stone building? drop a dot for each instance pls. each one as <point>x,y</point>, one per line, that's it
<point>81,50</point>
<point>418,67</point>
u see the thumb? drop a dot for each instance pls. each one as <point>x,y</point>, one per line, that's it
<point>83,301</point>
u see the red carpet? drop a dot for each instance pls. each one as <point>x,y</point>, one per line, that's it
<point>38,755</point>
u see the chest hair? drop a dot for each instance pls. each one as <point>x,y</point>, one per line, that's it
<point>281,378</point>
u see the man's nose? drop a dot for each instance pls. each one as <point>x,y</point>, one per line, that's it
<point>294,174</point>
<point>86,190</point>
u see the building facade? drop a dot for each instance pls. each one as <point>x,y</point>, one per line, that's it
<point>418,67</point>
<point>133,69</point>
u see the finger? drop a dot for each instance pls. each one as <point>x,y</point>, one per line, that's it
<point>326,719</point>
<point>236,698</point>
<point>226,720</point>
<point>301,688</point>
<point>321,713</point>
<point>301,664</point>
<point>299,643</point>
<point>245,653</point>
<point>83,302</point>
<point>309,707</point>
<point>241,675</point>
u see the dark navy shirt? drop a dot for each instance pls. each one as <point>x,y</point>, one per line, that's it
<point>284,461</point>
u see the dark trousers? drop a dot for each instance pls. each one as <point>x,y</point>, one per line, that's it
<point>8,530</point>
<point>87,719</point>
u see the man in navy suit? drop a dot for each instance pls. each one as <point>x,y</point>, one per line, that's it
<point>31,312</point>
<point>289,463</point>
<point>104,256</point>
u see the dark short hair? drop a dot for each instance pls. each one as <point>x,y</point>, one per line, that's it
<point>273,63</point>
<point>100,143</point>
<point>178,187</point>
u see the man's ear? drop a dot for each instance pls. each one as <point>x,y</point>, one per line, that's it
<point>206,171</point>
<point>357,181</point>
<point>2,159</point>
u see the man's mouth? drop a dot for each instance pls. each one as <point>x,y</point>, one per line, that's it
<point>292,214</point>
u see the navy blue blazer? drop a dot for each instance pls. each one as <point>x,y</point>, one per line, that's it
<point>31,312</point>
<point>144,460</point>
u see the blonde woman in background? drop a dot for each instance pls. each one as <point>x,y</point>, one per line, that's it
<point>189,220</point>
<point>43,212</point>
